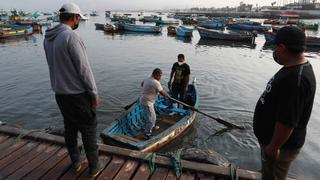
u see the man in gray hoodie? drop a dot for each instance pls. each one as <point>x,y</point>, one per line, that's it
<point>74,86</point>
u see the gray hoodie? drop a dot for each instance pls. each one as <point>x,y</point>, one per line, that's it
<point>69,68</point>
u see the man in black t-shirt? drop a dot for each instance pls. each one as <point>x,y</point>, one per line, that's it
<point>283,110</point>
<point>181,73</point>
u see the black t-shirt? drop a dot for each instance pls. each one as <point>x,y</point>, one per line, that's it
<point>181,72</point>
<point>288,98</point>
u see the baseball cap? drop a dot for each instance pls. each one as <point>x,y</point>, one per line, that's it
<point>292,37</point>
<point>71,8</point>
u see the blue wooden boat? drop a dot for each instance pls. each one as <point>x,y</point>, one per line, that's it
<point>12,31</point>
<point>249,27</point>
<point>152,18</point>
<point>141,28</point>
<point>212,24</point>
<point>184,31</point>
<point>172,122</point>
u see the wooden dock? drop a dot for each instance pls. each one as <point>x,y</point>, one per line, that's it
<point>39,155</point>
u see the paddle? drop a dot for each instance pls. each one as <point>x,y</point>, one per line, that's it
<point>130,105</point>
<point>217,119</point>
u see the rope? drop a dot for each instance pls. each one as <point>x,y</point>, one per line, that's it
<point>233,172</point>
<point>151,158</point>
<point>25,133</point>
<point>176,162</point>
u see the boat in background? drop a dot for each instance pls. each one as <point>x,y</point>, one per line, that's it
<point>140,28</point>
<point>227,35</point>
<point>108,27</point>
<point>94,13</point>
<point>13,31</point>
<point>172,30</point>
<point>212,24</point>
<point>172,122</point>
<point>99,26</point>
<point>184,31</point>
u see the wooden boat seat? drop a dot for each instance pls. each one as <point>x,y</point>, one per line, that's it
<point>122,136</point>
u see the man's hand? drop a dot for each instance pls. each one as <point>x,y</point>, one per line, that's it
<point>272,153</point>
<point>95,102</point>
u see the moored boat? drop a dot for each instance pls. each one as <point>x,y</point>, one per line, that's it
<point>108,27</point>
<point>172,30</point>
<point>141,28</point>
<point>226,35</point>
<point>11,31</point>
<point>172,122</point>
<point>184,31</point>
<point>99,26</point>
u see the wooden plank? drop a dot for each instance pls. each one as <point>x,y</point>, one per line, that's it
<point>112,169</point>
<point>159,174</point>
<point>8,150</point>
<point>3,138</point>
<point>142,173</point>
<point>104,160</point>
<point>11,168</point>
<point>16,155</point>
<point>122,136</point>
<point>58,170</point>
<point>34,163</point>
<point>187,176</point>
<point>7,143</point>
<point>205,177</point>
<point>71,175</point>
<point>171,176</point>
<point>47,165</point>
<point>127,170</point>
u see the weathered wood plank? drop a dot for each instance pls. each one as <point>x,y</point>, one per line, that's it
<point>58,170</point>
<point>205,177</point>
<point>3,138</point>
<point>16,155</point>
<point>112,168</point>
<point>11,168</point>
<point>7,143</point>
<point>171,176</point>
<point>142,173</point>
<point>159,174</point>
<point>187,176</point>
<point>34,163</point>
<point>104,160</point>
<point>71,175</point>
<point>12,148</point>
<point>127,170</point>
<point>47,165</point>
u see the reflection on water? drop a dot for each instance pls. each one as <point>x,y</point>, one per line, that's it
<point>222,43</point>
<point>17,41</point>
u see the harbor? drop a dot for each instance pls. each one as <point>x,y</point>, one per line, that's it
<point>230,58</point>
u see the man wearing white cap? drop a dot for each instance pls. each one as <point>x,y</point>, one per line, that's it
<point>74,86</point>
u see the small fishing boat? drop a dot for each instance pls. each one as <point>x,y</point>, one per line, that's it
<point>172,30</point>
<point>249,27</point>
<point>141,28</point>
<point>94,13</point>
<point>309,26</point>
<point>172,122</point>
<point>184,31</point>
<point>99,26</point>
<point>152,18</point>
<point>309,41</point>
<point>226,35</point>
<point>12,31</point>
<point>167,21</point>
<point>108,27</point>
<point>212,24</point>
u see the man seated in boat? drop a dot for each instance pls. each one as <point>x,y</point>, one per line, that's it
<point>181,73</point>
<point>151,88</point>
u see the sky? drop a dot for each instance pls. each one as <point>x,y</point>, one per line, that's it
<point>102,5</point>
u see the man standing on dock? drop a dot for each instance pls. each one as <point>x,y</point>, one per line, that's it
<point>180,73</point>
<point>283,110</point>
<point>74,86</point>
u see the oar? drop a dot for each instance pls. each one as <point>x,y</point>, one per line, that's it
<point>217,119</point>
<point>130,105</point>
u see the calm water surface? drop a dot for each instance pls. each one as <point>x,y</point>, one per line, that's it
<point>230,79</point>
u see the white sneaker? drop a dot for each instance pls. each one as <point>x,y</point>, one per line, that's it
<point>156,127</point>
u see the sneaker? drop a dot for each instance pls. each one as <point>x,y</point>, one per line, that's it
<point>94,172</point>
<point>156,127</point>
<point>147,136</point>
<point>76,167</point>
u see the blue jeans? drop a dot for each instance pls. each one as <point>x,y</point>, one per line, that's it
<point>149,117</point>
<point>79,116</point>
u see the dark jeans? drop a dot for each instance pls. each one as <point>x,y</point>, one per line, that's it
<point>79,116</point>
<point>178,92</point>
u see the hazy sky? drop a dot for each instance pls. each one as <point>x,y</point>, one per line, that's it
<point>88,5</point>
